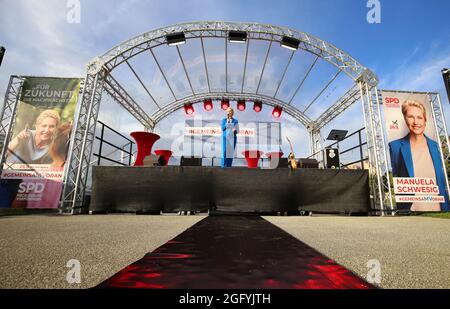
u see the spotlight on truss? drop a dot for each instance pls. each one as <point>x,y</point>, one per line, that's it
<point>237,36</point>
<point>241,105</point>
<point>225,104</point>
<point>257,106</point>
<point>189,109</point>
<point>290,43</point>
<point>208,105</point>
<point>175,39</point>
<point>277,111</point>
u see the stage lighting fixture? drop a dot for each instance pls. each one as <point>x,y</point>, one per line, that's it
<point>225,104</point>
<point>290,43</point>
<point>257,106</point>
<point>277,111</point>
<point>189,109</point>
<point>2,53</point>
<point>208,105</point>
<point>241,105</point>
<point>175,39</point>
<point>237,36</point>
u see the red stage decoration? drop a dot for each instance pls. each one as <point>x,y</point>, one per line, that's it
<point>277,111</point>
<point>225,104</point>
<point>274,158</point>
<point>274,155</point>
<point>144,141</point>
<point>208,105</point>
<point>188,109</point>
<point>252,157</point>
<point>257,106</point>
<point>241,105</point>
<point>165,153</point>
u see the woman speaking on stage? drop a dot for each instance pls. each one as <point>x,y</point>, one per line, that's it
<point>230,129</point>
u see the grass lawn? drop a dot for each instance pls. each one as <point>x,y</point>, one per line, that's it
<point>23,211</point>
<point>443,215</point>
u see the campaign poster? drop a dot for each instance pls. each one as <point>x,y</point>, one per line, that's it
<point>418,173</point>
<point>33,168</point>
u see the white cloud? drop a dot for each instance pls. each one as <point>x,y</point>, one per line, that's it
<point>422,73</point>
<point>419,75</point>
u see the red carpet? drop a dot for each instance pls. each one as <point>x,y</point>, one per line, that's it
<point>230,252</point>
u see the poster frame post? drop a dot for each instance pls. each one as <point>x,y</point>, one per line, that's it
<point>8,115</point>
<point>446,77</point>
<point>442,134</point>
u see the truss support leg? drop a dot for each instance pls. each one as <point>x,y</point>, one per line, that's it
<point>379,174</point>
<point>315,144</point>
<point>83,138</point>
<point>8,115</point>
<point>442,133</point>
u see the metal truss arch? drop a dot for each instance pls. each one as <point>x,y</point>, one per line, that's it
<point>218,29</point>
<point>121,96</point>
<point>267,100</point>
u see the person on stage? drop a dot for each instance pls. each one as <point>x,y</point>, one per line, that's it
<point>416,155</point>
<point>230,129</point>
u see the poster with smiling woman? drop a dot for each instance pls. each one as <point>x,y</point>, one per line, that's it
<point>36,153</point>
<point>419,177</point>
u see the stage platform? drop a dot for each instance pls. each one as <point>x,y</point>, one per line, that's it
<point>261,191</point>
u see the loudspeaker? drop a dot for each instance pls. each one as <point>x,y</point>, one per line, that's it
<point>308,163</point>
<point>154,160</point>
<point>332,158</point>
<point>278,163</point>
<point>190,161</point>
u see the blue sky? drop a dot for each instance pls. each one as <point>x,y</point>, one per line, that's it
<point>406,50</point>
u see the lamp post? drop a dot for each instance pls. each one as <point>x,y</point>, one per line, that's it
<point>446,76</point>
<point>2,53</point>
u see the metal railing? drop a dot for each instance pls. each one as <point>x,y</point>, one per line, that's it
<point>359,146</point>
<point>126,149</point>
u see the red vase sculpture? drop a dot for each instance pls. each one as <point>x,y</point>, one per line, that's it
<point>144,141</point>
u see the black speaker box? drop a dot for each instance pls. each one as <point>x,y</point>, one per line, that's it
<point>278,163</point>
<point>308,163</point>
<point>332,158</point>
<point>190,161</point>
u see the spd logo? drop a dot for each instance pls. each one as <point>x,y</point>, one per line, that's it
<point>31,187</point>
<point>394,125</point>
<point>392,102</point>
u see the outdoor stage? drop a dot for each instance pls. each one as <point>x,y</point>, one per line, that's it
<point>242,190</point>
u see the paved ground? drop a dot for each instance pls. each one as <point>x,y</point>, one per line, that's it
<point>34,249</point>
<point>414,252</point>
